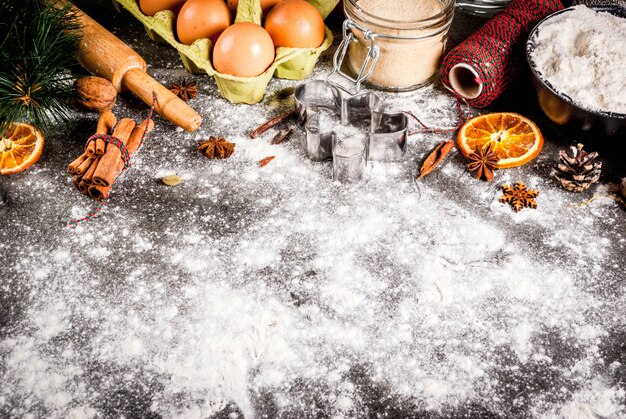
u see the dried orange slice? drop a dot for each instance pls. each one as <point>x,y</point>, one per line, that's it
<point>515,138</point>
<point>20,146</point>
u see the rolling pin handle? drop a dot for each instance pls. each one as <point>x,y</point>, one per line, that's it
<point>167,104</point>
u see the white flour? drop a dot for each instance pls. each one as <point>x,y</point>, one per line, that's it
<point>582,54</point>
<point>287,295</point>
<point>352,134</point>
<point>328,121</point>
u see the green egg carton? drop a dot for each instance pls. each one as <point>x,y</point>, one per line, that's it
<point>290,63</point>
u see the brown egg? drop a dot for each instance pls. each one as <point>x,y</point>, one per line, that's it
<point>202,19</point>
<point>295,24</point>
<point>245,50</point>
<point>266,5</point>
<point>151,7</point>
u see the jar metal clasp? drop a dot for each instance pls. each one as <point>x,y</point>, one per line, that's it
<point>373,52</point>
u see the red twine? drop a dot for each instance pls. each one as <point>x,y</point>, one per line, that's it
<point>117,143</point>
<point>423,128</point>
<point>125,156</point>
<point>494,51</point>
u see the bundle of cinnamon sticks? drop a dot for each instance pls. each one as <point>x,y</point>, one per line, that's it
<point>98,167</point>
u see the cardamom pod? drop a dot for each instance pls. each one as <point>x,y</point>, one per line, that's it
<point>172,180</point>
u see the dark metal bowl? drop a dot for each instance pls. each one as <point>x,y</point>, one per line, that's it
<point>560,108</point>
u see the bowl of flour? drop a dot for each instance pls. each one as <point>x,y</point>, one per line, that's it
<point>578,60</point>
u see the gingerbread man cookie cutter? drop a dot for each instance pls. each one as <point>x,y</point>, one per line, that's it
<point>387,134</point>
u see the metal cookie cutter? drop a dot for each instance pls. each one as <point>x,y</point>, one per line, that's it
<point>387,136</point>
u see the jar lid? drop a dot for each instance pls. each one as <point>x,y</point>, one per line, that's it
<point>400,24</point>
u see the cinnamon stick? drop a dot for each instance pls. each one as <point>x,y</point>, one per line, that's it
<point>90,150</point>
<point>84,166</point>
<point>87,177</point>
<point>82,186</point>
<point>137,135</point>
<point>436,157</point>
<point>106,122</point>
<point>99,192</point>
<point>282,136</point>
<point>71,168</point>
<point>100,146</point>
<point>76,182</point>
<point>133,143</point>
<point>269,124</point>
<point>106,171</point>
<point>102,192</point>
<point>266,161</point>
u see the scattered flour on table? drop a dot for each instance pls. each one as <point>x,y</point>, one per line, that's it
<point>276,292</point>
<point>328,121</point>
<point>582,53</point>
<point>356,134</point>
<point>349,148</point>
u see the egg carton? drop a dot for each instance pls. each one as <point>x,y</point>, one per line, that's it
<point>290,63</point>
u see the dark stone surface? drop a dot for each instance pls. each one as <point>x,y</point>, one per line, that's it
<point>39,208</point>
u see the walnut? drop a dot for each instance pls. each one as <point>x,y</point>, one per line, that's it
<point>95,93</point>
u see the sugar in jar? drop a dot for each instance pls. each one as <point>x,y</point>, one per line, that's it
<point>396,45</point>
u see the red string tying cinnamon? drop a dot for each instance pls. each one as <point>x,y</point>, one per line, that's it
<point>110,139</point>
<point>126,157</point>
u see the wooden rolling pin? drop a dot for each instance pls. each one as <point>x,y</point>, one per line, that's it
<point>105,55</point>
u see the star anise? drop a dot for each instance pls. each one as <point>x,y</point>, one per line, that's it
<point>217,148</point>
<point>483,161</point>
<point>519,196</point>
<point>184,89</point>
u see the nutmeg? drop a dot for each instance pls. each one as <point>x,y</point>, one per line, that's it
<point>95,93</point>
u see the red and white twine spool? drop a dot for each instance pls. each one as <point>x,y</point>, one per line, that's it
<point>481,67</point>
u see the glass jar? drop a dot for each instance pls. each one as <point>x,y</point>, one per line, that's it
<point>484,8</point>
<point>395,55</point>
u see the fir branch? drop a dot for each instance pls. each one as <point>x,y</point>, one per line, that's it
<point>37,48</point>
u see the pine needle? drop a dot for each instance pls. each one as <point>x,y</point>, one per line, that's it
<point>38,44</point>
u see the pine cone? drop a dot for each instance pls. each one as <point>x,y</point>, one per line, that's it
<point>577,171</point>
